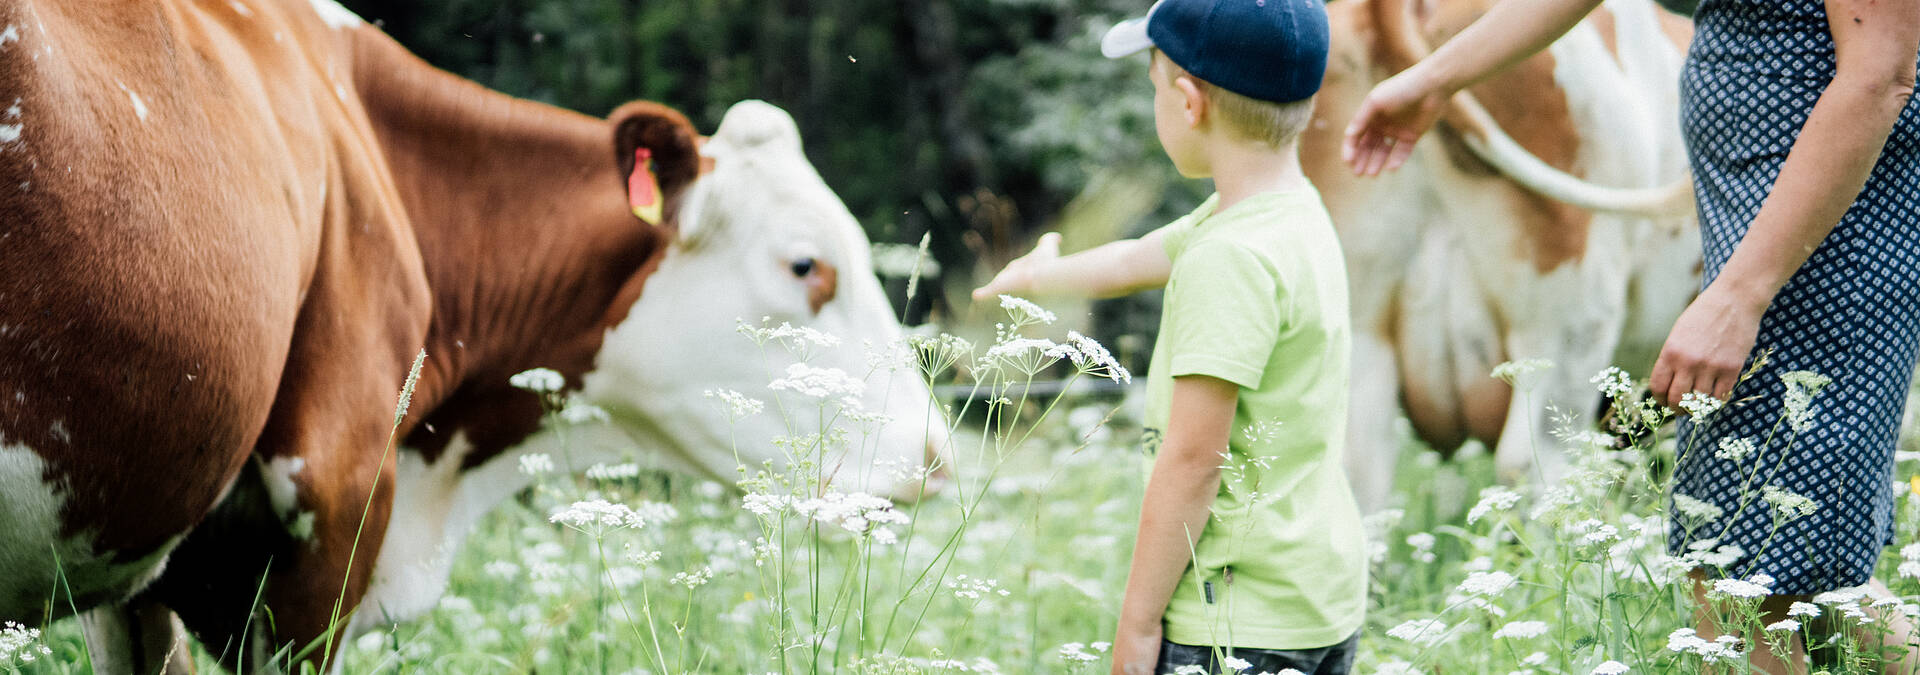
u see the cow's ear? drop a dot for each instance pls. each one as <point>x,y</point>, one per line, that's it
<point>657,151</point>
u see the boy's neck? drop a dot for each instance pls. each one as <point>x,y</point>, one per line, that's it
<point>1242,170</point>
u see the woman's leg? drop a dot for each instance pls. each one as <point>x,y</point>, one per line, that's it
<point>1760,652</point>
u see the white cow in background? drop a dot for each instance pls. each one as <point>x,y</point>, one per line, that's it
<point>1491,244</point>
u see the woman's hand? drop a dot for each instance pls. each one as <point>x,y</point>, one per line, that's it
<point>1391,119</point>
<point>1708,346</point>
<point>1136,650</point>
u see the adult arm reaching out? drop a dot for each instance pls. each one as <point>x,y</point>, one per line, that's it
<point>1876,42</point>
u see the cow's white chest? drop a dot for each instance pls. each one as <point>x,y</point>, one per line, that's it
<point>34,557</point>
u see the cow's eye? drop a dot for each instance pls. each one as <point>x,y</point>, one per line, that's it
<point>801,267</point>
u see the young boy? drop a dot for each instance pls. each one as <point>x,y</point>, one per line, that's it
<point>1250,553</point>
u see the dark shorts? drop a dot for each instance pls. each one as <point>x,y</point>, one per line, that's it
<point>1334,660</point>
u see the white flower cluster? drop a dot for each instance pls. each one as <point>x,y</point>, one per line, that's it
<point>1910,561</point>
<point>1610,668</point>
<point>597,516</point>
<point>1787,504</point>
<point>1802,386</point>
<point>856,512</point>
<point>536,463</point>
<point>539,380</point>
<point>1700,406</point>
<point>736,404</point>
<point>820,383</point>
<point>975,588</point>
<point>614,472</point>
<point>1076,652</point>
<point>1751,588</point>
<point>1423,632</point>
<point>1493,499</point>
<point>1512,371</point>
<point>694,579</point>
<point>1700,512</point>
<point>1709,553</point>
<point>20,644</point>
<point>1422,543</point>
<point>1614,382</point>
<point>1024,311</point>
<point>1734,449</point>
<point>1725,648</point>
<point>1521,630</point>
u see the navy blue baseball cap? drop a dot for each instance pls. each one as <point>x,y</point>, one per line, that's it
<point>1271,50</point>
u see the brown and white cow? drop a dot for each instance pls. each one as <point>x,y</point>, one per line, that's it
<point>1497,241</point>
<point>227,227</point>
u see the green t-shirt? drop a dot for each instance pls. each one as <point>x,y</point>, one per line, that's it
<point>1258,297</point>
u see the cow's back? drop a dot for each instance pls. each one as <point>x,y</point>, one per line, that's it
<point>164,175</point>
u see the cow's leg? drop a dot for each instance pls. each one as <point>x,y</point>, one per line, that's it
<point>1373,448</point>
<point>1579,336</point>
<point>140,638</point>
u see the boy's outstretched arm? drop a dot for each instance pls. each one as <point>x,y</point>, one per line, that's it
<point>1179,499</point>
<point>1113,269</point>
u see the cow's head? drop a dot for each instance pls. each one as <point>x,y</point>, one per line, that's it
<point>760,237</point>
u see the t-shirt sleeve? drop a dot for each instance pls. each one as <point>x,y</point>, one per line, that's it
<point>1224,314</point>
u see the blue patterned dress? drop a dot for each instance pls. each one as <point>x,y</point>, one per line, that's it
<point>1852,313</point>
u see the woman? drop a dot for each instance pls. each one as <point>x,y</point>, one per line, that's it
<point>1790,108</point>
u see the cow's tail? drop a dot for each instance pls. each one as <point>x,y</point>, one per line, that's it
<point>1401,45</point>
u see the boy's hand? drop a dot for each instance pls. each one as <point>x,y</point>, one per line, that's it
<point>1136,650</point>
<point>1017,278</point>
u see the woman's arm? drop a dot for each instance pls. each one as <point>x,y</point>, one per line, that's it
<point>1179,501</point>
<point>1398,111</point>
<point>1105,271</point>
<point>1876,42</point>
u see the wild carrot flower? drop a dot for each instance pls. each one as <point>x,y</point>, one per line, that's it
<point>1734,449</point>
<point>1093,358</point>
<point>1235,664</point>
<point>19,644</point>
<point>1699,405</point>
<point>820,383</point>
<point>536,463</point>
<point>1738,588</point>
<point>1805,610</point>
<point>1802,386</point>
<point>1024,311</point>
<point>1788,504</point>
<point>1783,626</point>
<point>538,380</point>
<point>1697,510</point>
<point>595,517</point>
<point>1521,630</point>
<point>1512,371</point>
<point>1423,632</point>
<point>1613,382</point>
<point>1496,498</point>
<point>736,404</point>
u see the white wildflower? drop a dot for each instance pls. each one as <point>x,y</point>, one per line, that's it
<point>20,644</point>
<point>538,380</point>
<point>1535,659</point>
<point>1699,511</point>
<point>1804,610</point>
<point>820,383</point>
<point>1075,652</point>
<point>1423,632</point>
<point>1521,630</point>
<point>1512,371</point>
<point>737,405</point>
<point>1613,382</point>
<point>1486,584</point>
<point>1496,498</point>
<point>1699,405</point>
<point>762,505</point>
<point>597,516</point>
<point>1024,311</point>
<point>1802,386</point>
<point>1235,665</point>
<point>694,579</point>
<point>1610,668</point>
<point>536,463</point>
<point>1738,588</point>
<point>614,472</point>
<point>576,412</point>
<point>1734,449</point>
<point>1093,358</point>
<point>1787,504</point>
<point>1783,626</point>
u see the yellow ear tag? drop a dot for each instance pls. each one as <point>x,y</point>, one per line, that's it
<point>643,188</point>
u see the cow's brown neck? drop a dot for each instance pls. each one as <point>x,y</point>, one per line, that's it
<point>521,215</point>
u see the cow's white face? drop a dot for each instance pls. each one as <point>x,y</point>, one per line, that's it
<point>762,237</point>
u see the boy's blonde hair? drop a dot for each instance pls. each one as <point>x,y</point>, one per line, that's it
<point>1274,124</point>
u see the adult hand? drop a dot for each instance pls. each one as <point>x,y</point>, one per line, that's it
<point>1017,278</point>
<point>1136,650</point>
<point>1708,346</point>
<point>1391,119</point>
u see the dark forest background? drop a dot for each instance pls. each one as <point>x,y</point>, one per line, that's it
<point>982,122</point>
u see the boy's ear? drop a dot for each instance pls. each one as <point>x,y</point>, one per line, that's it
<point>657,151</point>
<point>1196,108</point>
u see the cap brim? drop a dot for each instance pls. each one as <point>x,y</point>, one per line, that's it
<point>1126,39</point>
